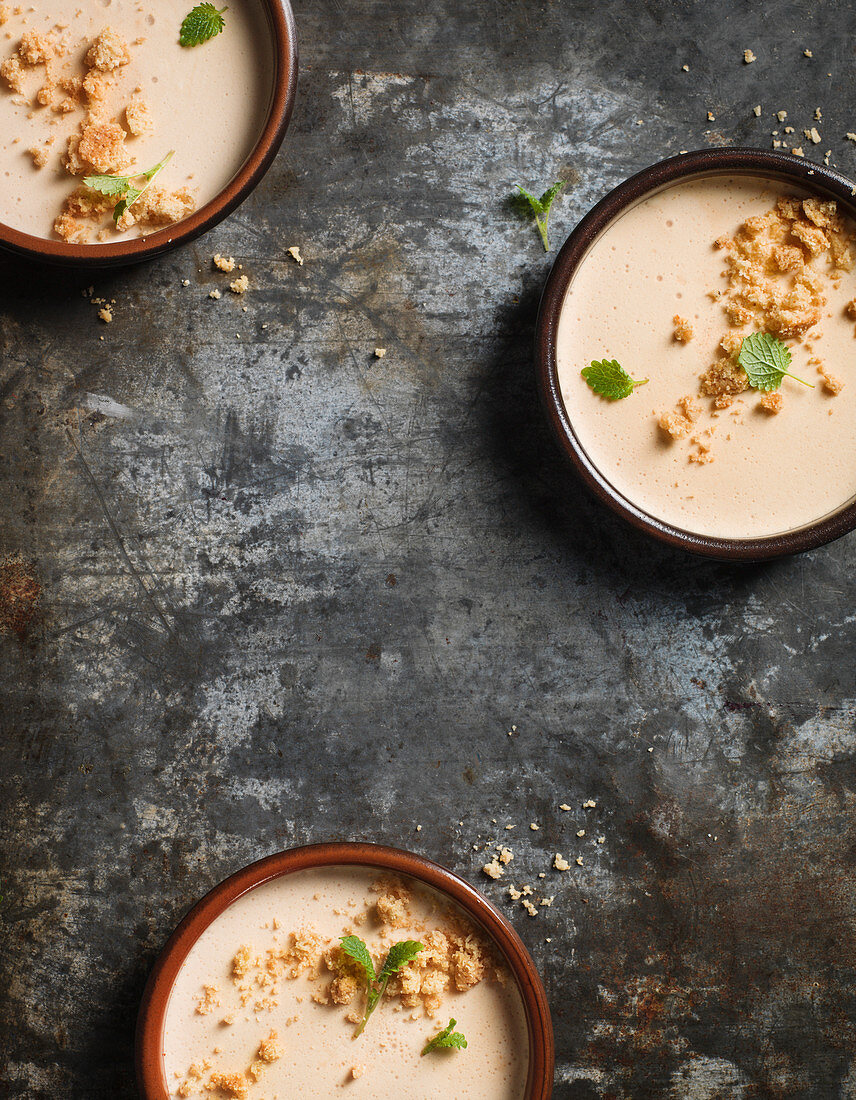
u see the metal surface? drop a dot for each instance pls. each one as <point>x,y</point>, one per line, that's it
<point>291,592</point>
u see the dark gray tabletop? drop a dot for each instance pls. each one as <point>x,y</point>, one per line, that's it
<point>292,592</point>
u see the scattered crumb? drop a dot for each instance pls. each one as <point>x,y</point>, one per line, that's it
<point>683,329</point>
<point>294,251</point>
<point>813,135</point>
<point>239,285</point>
<point>109,51</point>
<point>589,804</point>
<point>685,68</point>
<point>534,827</point>
<point>139,117</point>
<point>832,384</point>
<point>756,111</point>
<point>560,863</point>
<point>230,1084</point>
<point>807,53</point>
<point>106,314</point>
<point>677,423</point>
<point>564,806</point>
<point>529,907</point>
<point>781,115</point>
<point>771,402</point>
<point>748,57</point>
<point>379,353</point>
<point>711,117</point>
<point>493,869</point>
<point>224,263</point>
<point>357,1071</point>
<point>798,151</point>
<point>215,294</point>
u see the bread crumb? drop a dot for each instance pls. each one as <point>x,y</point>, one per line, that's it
<point>215,294</point>
<point>534,827</point>
<point>12,72</point>
<point>850,309</point>
<point>493,869</point>
<point>109,51</point>
<point>798,151</point>
<point>683,329</point>
<point>209,999</point>
<point>589,804</point>
<point>678,423</point>
<point>294,251</point>
<point>101,145</point>
<point>579,861</point>
<point>711,117</point>
<point>807,53</point>
<point>224,263</point>
<point>564,806</point>
<point>379,353</point>
<point>748,57</point>
<point>756,111</point>
<point>781,115</point>
<point>685,68</point>
<point>106,314</point>
<point>357,1071</point>
<point>529,907</point>
<point>230,1084</point>
<point>270,1049</point>
<point>771,402</point>
<point>139,117</point>
<point>560,863</point>
<point>239,285</point>
<point>581,832</point>
<point>832,384</point>
<point>35,49</point>
<point>39,153</point>
<point>813,135</point>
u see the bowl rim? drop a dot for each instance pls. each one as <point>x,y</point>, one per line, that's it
<point>152,1012</point>
<point>135,249</point>
<point>817,178</point>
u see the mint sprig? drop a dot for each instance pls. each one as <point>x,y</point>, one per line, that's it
<point>201,24</point>
<point>540,208</point>
<point>121,185</point>
<point>765,359</point>
<point>608,378</point>
<point>447,1039</point>
<point>398,956</point>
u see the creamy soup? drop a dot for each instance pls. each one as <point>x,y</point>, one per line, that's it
<point>266,1005</point>
<point>670,290</point>
<point>208,103</point>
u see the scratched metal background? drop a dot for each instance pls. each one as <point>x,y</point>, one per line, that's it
<point>290,592</point>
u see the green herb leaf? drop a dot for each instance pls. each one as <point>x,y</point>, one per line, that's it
<point>766,360</point>
<point>354,946</point>
<point>121,185</point>
<point>540,208</point>
<point>399,955</point>
<point>203,23</point>
<point>446,1039</point>
<point>608,378</point>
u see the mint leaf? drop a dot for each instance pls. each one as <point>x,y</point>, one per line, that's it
<point>446,1039</point>
<point>201,24</point>
<point>540,208</point>
<point>121,185</point>
<point>354,946</point>
<point>766,360</point>
<point>399,955</point>
<point>608,378</point>
<point>107,185</point>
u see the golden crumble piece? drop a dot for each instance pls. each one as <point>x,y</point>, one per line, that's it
<point>224,263</point>
<point>158,206</point>
<point>100,145</point>
<point>44,95</point>
<point>139,117</point>
<point>725,376</point>
<point>391,911</point>
<point>701,457</point>
<point>815,240</point>
<point>84,203</point>
<point>789,208</point>
<point>357,1071</point>
<point>731,343</point>
<point>344,988</point>
<point>842,253</point>
<point>70,229</point>
<point>772,403</point>
<point>748,57</point>
<point>683,329</point>
<point>724,401</point>
<point>35,49</point>
<point>229,1084</point>
<point>270,1049</point>
<point>244,961</point>
<point>723,242</point>
<point>788,257</point>
<point>208,1000</point>
<point>39,153</point>
<point>239,285</point>
<point>12,72</point>
<point>105,313</point>
<point>468,963</point>
<point>4,14</point>
<point>737,314</point>
<point>96,86</point>
<point>109,51</point>
<point>678,422</point>
<point>822,214</point>
<point>832,384</point>
<point>788,324</point>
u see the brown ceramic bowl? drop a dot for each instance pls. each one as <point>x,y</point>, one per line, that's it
<point>284,35</point>
<point>150,1023</point>
<point>826,183</point>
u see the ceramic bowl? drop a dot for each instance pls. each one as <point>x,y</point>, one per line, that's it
<point>150,1024</point>
<point>826,183</point>
<point>133,250</point>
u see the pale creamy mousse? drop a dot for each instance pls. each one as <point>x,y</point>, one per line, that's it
<point>105,88</point>
<point>269,1005</point>
<point>670,290</point>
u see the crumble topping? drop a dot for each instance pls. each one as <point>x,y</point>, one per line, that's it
<point>683,329</point>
